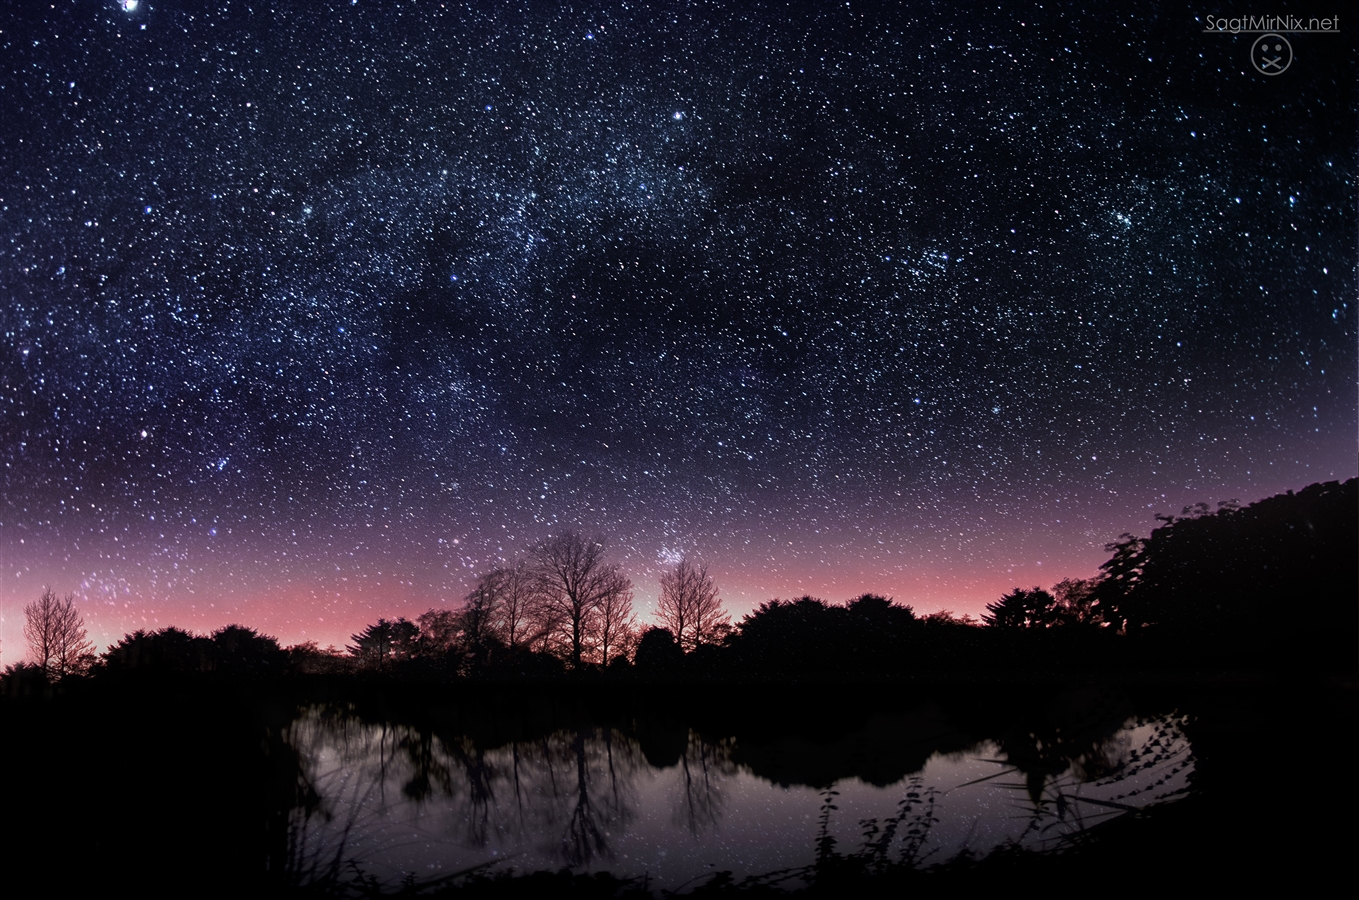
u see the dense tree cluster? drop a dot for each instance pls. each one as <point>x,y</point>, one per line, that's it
<point>1239,586</point>
<point>1274,581</point>
<point>564,603</point>
<point>234,650</point>
<point>786,637</point>
<point>1070,602</point>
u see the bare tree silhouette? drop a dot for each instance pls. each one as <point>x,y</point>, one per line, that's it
<point>689,606</point>
<point>482,608</point>
<point>615,623</point>
<point>56,635</point>
<point>518,605</point>
<point>573,581</point>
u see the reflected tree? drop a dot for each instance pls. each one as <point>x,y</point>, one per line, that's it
<point>1087,759</point>
<point>562,795</point>
<point>703,767</point>
<point>621,758</point>
<point>428,773</point>
<point>825,841</point>
<point>572,785</point>
<point>479,774</point>
<point>583,839</point>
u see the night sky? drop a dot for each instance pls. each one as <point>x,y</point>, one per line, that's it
<point>313,312</point>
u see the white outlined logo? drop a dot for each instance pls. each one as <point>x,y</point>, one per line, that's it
<point>1271,54</point>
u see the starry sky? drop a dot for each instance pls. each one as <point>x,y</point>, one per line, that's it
<point>311,313</point>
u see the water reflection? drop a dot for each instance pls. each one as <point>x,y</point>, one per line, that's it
<point>397,802</point>
<point>705,769</point>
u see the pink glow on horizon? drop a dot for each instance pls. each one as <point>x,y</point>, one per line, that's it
<point>300,611</point>
<point>323,602</point>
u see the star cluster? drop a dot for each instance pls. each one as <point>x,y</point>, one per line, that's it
<point>312,313</point>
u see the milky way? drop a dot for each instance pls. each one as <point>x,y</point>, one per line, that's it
<point>312,313</point>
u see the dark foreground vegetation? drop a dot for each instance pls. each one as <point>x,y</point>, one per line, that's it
<point>165,765</point>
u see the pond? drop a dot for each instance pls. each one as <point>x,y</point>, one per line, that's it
<point>675,804</point>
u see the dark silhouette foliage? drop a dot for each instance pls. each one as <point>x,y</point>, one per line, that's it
<point>193,730</point>
<point>658,652</point>
<point>1075,603</point>
<point>1274,582</point>
<point>384,643</point>
<point>868,635</point>
<point>309,658</point>
<point>520,662</point>
<point>242,651</point>
<point>168,650</point>
<point>873,611</point>
<point>1270,585</point>
<point>1034,608</point>
<point>23,680</point>
<point>233,651</point>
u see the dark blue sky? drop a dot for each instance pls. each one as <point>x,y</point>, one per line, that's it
<point>312,312</point>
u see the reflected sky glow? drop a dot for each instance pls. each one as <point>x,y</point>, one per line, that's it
<point>395,803</point>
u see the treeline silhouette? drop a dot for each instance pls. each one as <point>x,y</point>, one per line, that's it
<point>1272,585</point>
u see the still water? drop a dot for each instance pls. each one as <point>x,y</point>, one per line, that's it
<point>391,802</point>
